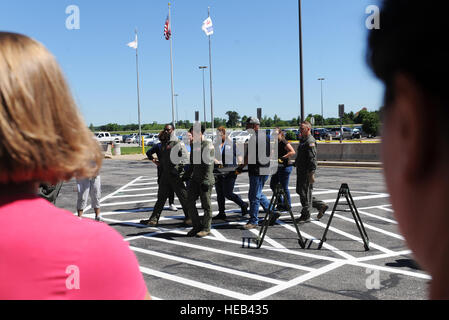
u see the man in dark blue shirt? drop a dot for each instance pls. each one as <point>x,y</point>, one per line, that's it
<point>157,150</point>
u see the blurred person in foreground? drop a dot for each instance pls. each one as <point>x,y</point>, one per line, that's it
<point>408,53</point>
<point>47,253</point>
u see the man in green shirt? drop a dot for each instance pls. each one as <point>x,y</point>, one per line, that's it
<point>306,165</point>
<point>201,182</point>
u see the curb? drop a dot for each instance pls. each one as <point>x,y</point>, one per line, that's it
<point>378,165</point>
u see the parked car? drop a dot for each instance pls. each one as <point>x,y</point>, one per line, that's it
<point>337,132</point>
<point>234,134</point>
<point>149,139</point>
<point>133,138</point>
<point>358,133</point>
<point>321,134</point>
<point>243,137</point>
<point>106,137</point>
<point>117,138</point>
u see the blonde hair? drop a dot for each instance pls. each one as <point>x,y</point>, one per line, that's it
<point>43,137</point>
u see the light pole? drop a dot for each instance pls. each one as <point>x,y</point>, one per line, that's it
<point>177,109</point>
<point>301,67</point>
<point>322,105</point>
<point>203,68</point>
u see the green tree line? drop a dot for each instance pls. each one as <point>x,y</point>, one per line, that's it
<point>370,122</point>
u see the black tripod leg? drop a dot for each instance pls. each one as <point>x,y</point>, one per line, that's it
<point>358,221</point>
<point>266,221</point>
<point>324,239</point>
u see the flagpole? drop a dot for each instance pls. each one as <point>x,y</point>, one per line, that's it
<point>171,68</point>
<point>211,91</point>
<point>138,92</point>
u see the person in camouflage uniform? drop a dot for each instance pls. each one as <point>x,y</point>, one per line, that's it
<point>201,181</point>
<point>306,165</point>
<point>171,176</point>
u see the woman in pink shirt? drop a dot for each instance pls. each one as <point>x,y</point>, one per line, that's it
<point>47,253</point>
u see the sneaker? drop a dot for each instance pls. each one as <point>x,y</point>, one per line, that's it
<point>172,208</point>
<point>99,219</point>
<point>305,218</point>
<point>220,216</point>
<point>250,226</point>
<point>245,210</point>
<point>202,234</point>
<point>322,212</point>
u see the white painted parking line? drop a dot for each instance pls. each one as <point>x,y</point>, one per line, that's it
<point>275,244</point>
<point>144,184</point>
<point>217,234</point>
<point>377,217</point>
<point>271,291</point>
<point>195,284</point>
<point>325,245</point>
<point>384,256</point>
<point>230,253</point>
<point>140,189</point>
<point>386,209</point>
<point>369,227</point>
<point>350,236</point>
<point>391,270</point>
<point>214,267</point>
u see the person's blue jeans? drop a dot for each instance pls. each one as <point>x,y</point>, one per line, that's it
<point>282,177</point>
<point>256,197</point>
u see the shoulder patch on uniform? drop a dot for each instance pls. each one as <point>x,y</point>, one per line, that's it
<point>313,145</point>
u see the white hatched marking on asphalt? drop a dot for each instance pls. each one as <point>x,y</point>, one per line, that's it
<point>325,245</point>
<point>391,270</point>
<point>195,284</point>
<point>217,234</point>
<point>386,209</point>
<point>274,243</point>
<point>271,291</point>
<point>350,236</point>
<point>377,217</point>
<point>368,226</point>
<point>383,256</point>
<point>229,253</point>
<point>144,184</point>
<point>209,266</point>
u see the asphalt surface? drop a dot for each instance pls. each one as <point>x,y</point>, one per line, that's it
<point>176,267</point>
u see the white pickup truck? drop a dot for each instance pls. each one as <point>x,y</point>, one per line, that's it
<point>106,137</point>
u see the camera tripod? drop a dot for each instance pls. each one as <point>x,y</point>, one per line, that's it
<point>346,193</point>
<point>271,216</point>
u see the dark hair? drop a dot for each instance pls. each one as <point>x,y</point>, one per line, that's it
<point>411,41</point>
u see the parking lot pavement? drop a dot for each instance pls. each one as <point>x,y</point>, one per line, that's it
<point>218,267</point>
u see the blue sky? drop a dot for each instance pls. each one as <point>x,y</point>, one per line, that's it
<point>255,55</point>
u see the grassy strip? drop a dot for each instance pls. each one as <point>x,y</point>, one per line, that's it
<point>133,150</point>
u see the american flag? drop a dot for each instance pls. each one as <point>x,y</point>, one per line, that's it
<point>167,29</point>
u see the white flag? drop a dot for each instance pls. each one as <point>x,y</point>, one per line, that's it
<point>208,27</point>
<point>133,44</point>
